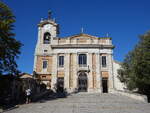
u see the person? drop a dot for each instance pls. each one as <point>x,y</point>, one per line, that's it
<point>28,96</point>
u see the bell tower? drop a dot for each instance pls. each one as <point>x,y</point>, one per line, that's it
<point>48,30</point>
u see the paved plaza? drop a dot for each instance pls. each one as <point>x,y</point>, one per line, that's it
<point>86,103</point>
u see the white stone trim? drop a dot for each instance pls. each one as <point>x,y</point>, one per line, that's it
<point>35,62</point>
<point>75,50</point>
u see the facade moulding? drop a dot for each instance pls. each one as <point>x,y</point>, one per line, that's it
<point>44,54</point>
<point>43,73</point>
<point>83,46</point>
<point>47,22</point>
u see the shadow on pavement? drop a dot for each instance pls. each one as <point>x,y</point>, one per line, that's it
<point>49,95</point>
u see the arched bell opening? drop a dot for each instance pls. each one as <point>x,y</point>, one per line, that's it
<point>47,38</point>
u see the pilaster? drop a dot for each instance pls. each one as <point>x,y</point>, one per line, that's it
<point>35,62</point>
<point>39,41</point>
<point>98,74</point>
<point>67,67</point>
<point>90,77</point>
<point>54,72</point>
<point>75,74</point>
<point>110,66</point>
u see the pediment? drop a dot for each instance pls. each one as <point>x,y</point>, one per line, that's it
<point>82,37</point>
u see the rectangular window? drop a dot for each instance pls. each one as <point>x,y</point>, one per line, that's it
<point>45,64</point>
<point>82,60</point>
<point>104,61</point>
<point>45,51</point>
<point>61,61</point>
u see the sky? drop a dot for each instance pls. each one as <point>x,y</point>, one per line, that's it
<point>123,20</point>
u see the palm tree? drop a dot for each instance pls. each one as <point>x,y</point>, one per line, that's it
<point>9,46</point>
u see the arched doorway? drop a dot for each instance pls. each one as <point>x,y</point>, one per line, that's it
<point>82,82</point>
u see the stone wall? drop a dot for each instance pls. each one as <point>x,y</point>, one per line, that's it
<point>117,84</point>
<point>12,90</point>
<point>135,96</point>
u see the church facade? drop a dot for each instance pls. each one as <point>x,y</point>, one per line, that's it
<point>76,63</point>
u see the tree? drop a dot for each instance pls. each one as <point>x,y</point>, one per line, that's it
<point>135,69</point>
<point>9,46</point>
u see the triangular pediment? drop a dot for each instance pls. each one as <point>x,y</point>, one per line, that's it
<point>82,36</point>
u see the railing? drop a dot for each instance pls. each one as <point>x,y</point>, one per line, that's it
<point>82,65</point>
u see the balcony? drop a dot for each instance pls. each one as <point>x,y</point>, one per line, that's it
<point>83,67</point>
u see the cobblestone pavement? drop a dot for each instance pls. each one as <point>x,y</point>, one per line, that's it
<point>86,103</point>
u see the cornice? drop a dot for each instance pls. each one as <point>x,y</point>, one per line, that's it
<point>42,23</point>
<point>83,46</point>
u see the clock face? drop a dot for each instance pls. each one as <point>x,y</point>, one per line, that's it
<point>48,26</point>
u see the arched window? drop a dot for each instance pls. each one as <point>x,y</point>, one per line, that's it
<point>47,38</point>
